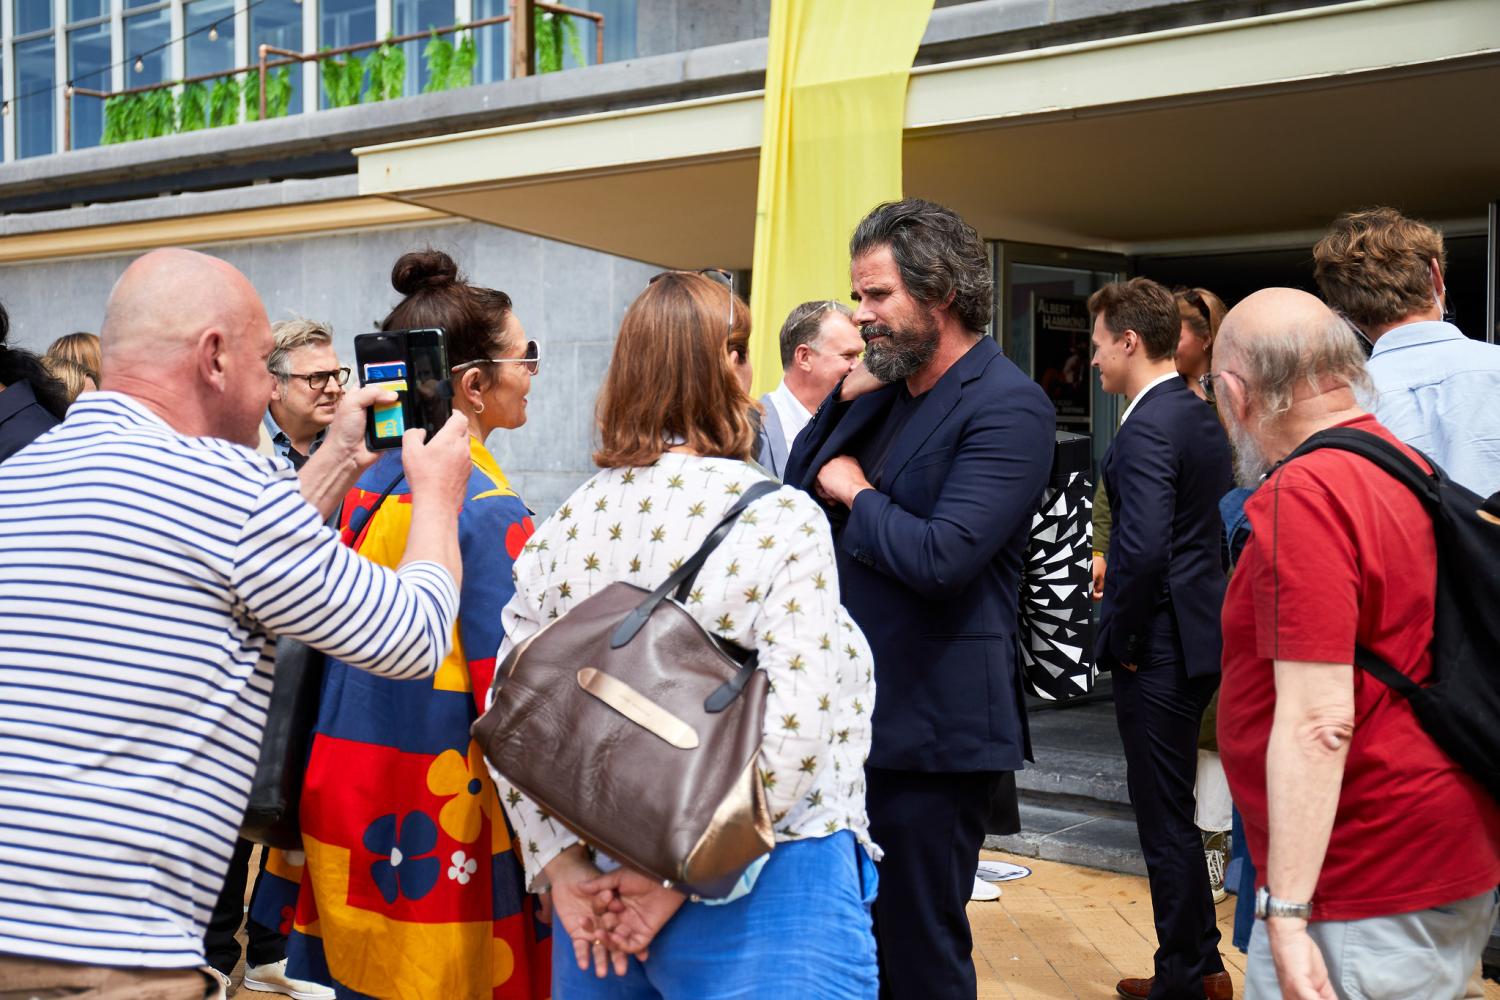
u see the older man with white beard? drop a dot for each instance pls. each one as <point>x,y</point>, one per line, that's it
<point>1379,857</point>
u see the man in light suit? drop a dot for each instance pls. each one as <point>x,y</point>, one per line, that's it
<point>932,456</point>
<point>819,345</point>
<point>1159,620</point>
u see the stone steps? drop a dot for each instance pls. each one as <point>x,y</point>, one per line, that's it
<point>1074,804</point>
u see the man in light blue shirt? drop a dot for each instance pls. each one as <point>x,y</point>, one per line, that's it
<point>1437,390</point>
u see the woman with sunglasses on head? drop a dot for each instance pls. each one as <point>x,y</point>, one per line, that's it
<point>674,456</point>
<point>411,887</point>
<point>1202,311</point>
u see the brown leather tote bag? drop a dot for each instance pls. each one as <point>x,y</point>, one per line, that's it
<point>636,728</point>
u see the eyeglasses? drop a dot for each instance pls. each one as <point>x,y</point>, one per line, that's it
<point>317,380</point>
<point>531,360</point>
<point>708,272</point>
<point>1206,383</point>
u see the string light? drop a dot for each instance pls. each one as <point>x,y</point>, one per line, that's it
<point>5,108</point>
<point>140,65</point>
<point>213,33</point>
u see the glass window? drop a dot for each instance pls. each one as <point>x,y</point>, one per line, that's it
<point>421,15</point>
<point>32,15</point>
<point>209,29</point>
<point>88,66</point>
<point>132,4</point>
<point>492,42</point>
<point>279,23</point>
<point>146,52</point>
<point>84,10</point>
<point>35,88</point>
<point>619,29</point>
<point>345,22</point>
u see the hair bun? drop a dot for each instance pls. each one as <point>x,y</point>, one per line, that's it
<point>423,269</point>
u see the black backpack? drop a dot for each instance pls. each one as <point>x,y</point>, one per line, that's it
<point>1460,708</point>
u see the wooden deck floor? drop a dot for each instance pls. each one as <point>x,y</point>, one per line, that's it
<point>1066,932</point>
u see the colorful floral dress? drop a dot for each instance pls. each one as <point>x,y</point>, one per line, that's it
<point>411,889</point>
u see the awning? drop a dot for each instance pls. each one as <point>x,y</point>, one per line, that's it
<point>1256,125</point>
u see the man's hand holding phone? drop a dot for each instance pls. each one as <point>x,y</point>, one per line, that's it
<point>343,455</point>
<point>438,473</point>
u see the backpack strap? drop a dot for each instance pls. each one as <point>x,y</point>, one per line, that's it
<point>1376,449</point>
<point>682,580</point>
<point>1385,673</point>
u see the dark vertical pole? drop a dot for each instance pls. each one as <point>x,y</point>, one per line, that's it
<point>1492,273</point>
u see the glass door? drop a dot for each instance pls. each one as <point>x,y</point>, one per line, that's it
<point>1042,321</point>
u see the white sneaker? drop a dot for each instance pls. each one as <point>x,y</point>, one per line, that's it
<point>984,892</point>
<point>224,983</point>
<point>273,979</point>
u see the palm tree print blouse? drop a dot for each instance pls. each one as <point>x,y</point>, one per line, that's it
<point>771,586</point>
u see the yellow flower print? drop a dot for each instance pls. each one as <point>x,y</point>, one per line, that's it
<point>465,783</point>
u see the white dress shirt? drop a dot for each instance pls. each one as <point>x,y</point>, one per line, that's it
<point>794,416</point>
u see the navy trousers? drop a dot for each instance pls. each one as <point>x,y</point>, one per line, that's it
<point>931,826</point>
<point>1159,709</point>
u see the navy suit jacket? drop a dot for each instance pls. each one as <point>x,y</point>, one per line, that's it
<point>930,568</point>
<point>1164,474</point>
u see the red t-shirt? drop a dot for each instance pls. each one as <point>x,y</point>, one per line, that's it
<point>1341,553</point>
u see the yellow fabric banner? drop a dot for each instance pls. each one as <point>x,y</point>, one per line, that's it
<point>830,151</point>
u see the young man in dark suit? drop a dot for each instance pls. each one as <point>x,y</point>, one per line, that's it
<point>931,456</point>
<point>1159,621</point>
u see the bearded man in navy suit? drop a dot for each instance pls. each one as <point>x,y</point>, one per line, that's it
<point>1159,620</point>
<point>931,455</point>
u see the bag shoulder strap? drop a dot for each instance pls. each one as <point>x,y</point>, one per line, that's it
<point>375,509</point>
<point>1376,449</point>
<point>681,581</point>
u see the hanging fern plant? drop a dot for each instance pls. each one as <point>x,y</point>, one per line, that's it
<point>192,107</point>
<point>387,66</point>
<point>160,113</point>
<point>224,102</point>
<point>278,94</point>
<point>461,70</point>
<point>343,79</point>
<point>438,53</point>
<point>556,33</point>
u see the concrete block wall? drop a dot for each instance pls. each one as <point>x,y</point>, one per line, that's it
<point>569,299</point>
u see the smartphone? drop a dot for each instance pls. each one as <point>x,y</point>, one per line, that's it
<point>414,365</point>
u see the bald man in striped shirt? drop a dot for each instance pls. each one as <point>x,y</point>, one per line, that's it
<point>148,557</point>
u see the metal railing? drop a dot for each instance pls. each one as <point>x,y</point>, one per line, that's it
<point>523,55</point>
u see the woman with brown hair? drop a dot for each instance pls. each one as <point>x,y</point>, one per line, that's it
<point>675,443</point>
<point>412,889</point>
<point>1202,311</point>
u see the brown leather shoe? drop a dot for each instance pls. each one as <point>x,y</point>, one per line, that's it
<point>1215,987</point>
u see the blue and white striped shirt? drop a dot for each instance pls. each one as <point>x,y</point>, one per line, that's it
<point>142,574</point>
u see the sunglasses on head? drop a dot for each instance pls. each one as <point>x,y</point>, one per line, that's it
<point>718,273</point>
<point>531,360</point>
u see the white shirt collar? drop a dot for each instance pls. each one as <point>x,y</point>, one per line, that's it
<point>794,416</point>
<point>1141,395</point>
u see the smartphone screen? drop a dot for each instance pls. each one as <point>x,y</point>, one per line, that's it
<point>414,365</point>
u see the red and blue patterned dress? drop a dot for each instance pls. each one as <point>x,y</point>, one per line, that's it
<point>411,888</point>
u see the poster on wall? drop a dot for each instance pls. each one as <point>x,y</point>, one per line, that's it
<point>1060,338</point>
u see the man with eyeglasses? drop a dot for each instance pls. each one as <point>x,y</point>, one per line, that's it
<point>309,385</point>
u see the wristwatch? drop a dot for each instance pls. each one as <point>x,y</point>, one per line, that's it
<point>1267,905</point>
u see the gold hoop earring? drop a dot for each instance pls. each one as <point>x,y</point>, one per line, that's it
<point>478,408</point>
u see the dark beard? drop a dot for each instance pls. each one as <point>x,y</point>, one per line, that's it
<point>900,354</point>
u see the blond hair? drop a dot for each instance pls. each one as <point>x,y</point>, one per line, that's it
<point>293,335</point>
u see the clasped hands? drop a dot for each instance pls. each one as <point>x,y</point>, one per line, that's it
<point>610,916</point>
